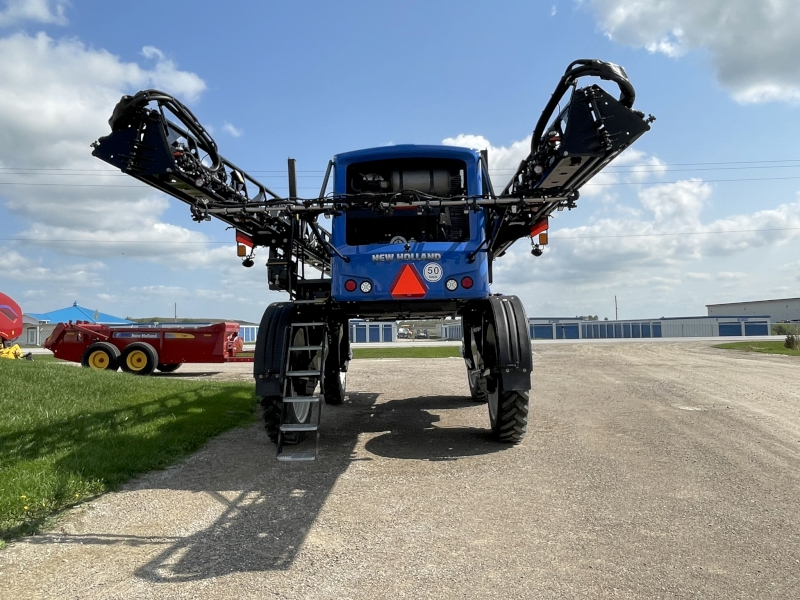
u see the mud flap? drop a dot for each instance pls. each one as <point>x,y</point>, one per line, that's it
<point>514,356</point>
<point>270,353</point>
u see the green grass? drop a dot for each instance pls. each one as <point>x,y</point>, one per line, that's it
<point>763,347</point>
<point>67,434</point>
<point>409,352</point>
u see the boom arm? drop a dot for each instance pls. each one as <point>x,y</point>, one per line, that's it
<point>183,161</point>
<point>591,130</point>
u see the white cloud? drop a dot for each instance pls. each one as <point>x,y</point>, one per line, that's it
<point>16,267</point>
<point>40,11</point>
<point>669,236</point>
<point>753,44</point>
<point>731,276</point>
<point>55,99</point>
<point>503,161</point>
<point>698,276</point>
<point>231,130</point>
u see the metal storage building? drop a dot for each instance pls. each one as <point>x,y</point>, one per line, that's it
<point>370,331</point>
<point>782,309</point>
<point>573,329</point>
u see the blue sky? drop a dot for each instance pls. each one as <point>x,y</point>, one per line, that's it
<point>704,209</point>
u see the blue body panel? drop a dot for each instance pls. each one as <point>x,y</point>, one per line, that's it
<point>380,264</point>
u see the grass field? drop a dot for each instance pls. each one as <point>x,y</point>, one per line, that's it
<point>68,434</point>
<point>763,347</point>
<point>409,352</point>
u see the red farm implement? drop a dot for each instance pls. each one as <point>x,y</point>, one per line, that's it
<point>143,349</point>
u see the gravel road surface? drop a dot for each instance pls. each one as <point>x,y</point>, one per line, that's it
<point>667,470</point>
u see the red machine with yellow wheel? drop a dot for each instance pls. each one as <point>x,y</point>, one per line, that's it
<point>10,320</point>
<point>143,349</point>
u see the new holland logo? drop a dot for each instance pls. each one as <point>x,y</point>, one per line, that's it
<point>389,257</point>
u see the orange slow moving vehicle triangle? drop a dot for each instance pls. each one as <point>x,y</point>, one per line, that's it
<point>408,284</point>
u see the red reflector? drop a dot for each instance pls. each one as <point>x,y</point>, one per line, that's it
<point>466,282</point>
<point>408,284</point>
<point>244,239</point>
<point>350,285</point>
<point>539,227</point>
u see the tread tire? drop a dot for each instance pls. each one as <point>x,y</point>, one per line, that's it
<point>272,406</point>
<point>111,352</point>
<point>511,422</point>
<point>151,358</point>
<point>168,367</point>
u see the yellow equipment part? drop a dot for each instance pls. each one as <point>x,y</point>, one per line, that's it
<point>14,352</point>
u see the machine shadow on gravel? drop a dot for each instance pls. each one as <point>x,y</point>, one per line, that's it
<point>264,524</point>
<point>411,431</point>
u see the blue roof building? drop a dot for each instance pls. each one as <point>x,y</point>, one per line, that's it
<point>77,313</point>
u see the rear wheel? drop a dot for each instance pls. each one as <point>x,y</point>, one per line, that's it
<point>101,356</point>
<point>139,358</point>
<point>169,367</point>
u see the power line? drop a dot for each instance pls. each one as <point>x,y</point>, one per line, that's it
<point>672,234</point>
<point>556,237</point>
<point>322,172</point>
<point>112,185</point>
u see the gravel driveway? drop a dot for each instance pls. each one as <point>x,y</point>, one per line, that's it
<point>650,470</point>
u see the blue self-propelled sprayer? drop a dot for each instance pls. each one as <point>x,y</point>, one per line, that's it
<point>414,232</point>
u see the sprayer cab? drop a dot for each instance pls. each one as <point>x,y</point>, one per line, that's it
<point>398,251</point>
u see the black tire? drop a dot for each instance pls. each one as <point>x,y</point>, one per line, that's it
<point>272,406</point>
<point>508,410</point>
<point>169,367</point>
<point>139,358</point>
<point>101,356</point>
<point>508,414</point>
<point>335,381</point>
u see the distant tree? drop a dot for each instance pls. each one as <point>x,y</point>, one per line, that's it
<point>605,318</point>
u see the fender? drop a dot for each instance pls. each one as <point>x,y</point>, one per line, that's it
<point>514,355</point>
<point>269,361</point>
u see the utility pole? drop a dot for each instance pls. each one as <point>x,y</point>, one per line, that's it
<point>616,310</point>
<point>175,318</point>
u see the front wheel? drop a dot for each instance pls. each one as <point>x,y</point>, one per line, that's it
<point>508,414</point>
<point>298,412</point>
<point>101,356</point>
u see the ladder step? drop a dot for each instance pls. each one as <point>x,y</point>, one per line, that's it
<point>318,347</point>
<point>297,456</point>
<point>291,427</point>
<point>296,399</point>
<point>308,324</point>
<point>302,373</point>
<point>314,301</point>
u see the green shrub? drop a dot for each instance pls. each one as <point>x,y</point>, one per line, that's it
<point>792,342</point>
<point>785,329</point>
